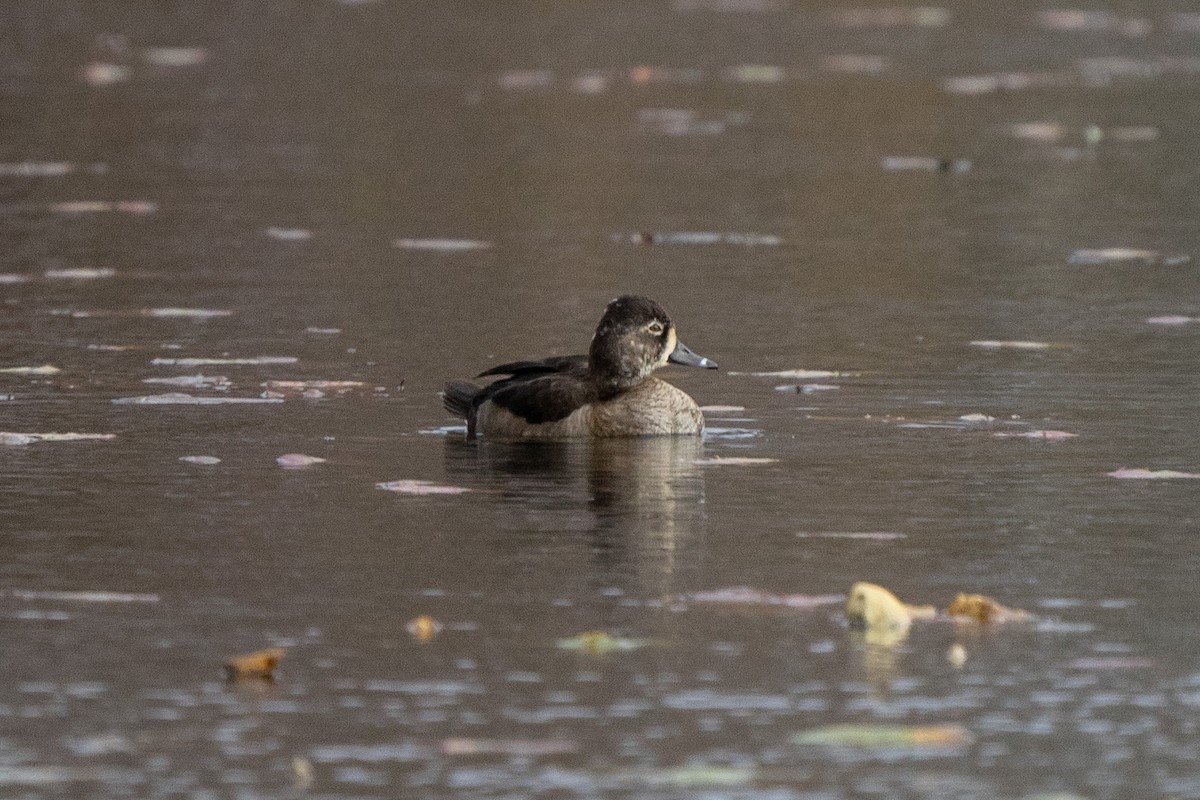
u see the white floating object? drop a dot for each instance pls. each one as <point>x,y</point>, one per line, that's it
<point>207,461</point>
<point>297,460</point>
<point>44,369</point>
<point>17,439</point>
<point>85,597</point>
<point>996,344</point>
<point>419,487</point>
<point>188,313</point>
<point>183,399</point>
<point>80,273</point>
<point>441,245</point>
<point>235,362</point>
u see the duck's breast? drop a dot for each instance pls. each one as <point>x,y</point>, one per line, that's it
<point>652,408</point>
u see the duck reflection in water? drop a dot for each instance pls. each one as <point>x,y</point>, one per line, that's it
<point>640,500</point>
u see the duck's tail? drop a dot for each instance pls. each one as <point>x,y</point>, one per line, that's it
<point>458,397</point>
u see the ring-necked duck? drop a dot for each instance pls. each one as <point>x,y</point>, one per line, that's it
<point>608,392</point>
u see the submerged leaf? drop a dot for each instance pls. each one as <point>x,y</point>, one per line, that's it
<point>981,608</point>
<point>259,664</point>
<point>527,748</point>
<point>423,628</point>
<point>885,736</point>
<point>600,642</point>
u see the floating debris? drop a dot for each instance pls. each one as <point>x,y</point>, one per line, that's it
<point>36,169</point>
<point>186,313</point>
<point>102,73</point>
<point>700,238</point>
<point>207,461</point>
<point>1120,255</point>
<point>259,664</point>
<point>882,615</point>
<point>297,460</point>
<point>18,439</point>
<point>175,56</point>
<point>44,369</point>
<point>877,536</point>
<point>601,642</point>
<point>745,595</point>
<point>1143,474</point>
<point>796,373</point>
<point>956,655</point>
<point>524,748</point>
<point>806,388</point>
<point>1049,436</point>
<point>419,487</point>
<point>1171,319</point>
<point>84,597</point>
<point>219,382</point>
<point>136,207</point>
<point>234,362</point>
<point>314,388</point>
<point>423,628</point>
<point>289,234</point>
<point>184,399</point>
<point>924,164</point>
<point>885,736</point>
<point>997,344</point>
<point>983,609</point>
<point>732,461</point>
<point>442,245</point>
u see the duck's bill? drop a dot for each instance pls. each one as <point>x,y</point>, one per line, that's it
<point>682,354</point>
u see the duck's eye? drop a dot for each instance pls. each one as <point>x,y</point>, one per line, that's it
<point>655,327</point>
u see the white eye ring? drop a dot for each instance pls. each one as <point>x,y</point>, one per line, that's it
<point>655,327</point>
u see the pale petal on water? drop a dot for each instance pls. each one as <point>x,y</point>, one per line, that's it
<point>999,344</point>
<point>202,460</point>
<point>235,362</point>
<point>420,487</point>
<point>44,369</point>
<point>1050,436</point>
<point>733,461</point>
<point>442,245</point>
<point>98,596</point>
<point>184,399</point>
<point>1171,319</point>
<point>297,460</point>
<point>17,439</point>
<point>80,273</point>
<point>1143,474</point>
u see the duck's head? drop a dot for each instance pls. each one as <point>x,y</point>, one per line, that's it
<point>635,337</point>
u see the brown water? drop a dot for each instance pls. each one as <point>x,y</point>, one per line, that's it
<point>741,161</point>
